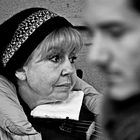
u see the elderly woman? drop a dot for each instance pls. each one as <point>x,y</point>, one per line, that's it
<point>38,50</point>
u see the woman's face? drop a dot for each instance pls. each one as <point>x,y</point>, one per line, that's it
<point>52,77</point>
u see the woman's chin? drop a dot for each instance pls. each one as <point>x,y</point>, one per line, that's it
<point>63,97</point>
<point>60,97</point>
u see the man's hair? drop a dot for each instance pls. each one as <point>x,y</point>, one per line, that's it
<point>134,5</point>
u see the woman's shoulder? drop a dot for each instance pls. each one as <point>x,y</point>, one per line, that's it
<point>7,87</point>
<point>5,81</point>
<point>12,117</point>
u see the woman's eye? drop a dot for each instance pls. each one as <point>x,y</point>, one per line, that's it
<point>72,59</point>
<point>55,59</point>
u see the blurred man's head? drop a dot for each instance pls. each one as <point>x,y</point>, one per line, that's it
<point>116,43</point>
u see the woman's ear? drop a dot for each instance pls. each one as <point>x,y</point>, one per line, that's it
<point>21,75</point>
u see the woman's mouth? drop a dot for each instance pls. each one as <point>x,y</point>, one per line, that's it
<point>64,86</point>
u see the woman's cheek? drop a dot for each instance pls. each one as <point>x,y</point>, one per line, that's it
<point>73,79</point>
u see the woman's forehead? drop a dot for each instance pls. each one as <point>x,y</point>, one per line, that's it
<point>64,42</point>
<point>56,50</point>
<point>62,49</point>
<point>43,51</point>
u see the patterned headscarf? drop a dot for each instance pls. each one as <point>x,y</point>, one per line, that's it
<point>22,33</point>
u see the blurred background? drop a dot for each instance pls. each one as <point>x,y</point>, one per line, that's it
<point>73,10</point>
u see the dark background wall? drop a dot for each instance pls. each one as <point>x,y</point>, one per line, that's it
<point>73,11</point>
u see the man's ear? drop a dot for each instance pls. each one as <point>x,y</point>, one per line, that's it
<point>21,75</point>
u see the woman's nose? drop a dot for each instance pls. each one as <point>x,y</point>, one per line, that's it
<point>67,68</point>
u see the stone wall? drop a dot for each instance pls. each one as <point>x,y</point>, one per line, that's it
<point>71,9</point>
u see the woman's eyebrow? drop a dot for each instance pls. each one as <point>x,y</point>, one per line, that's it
<point>51,52</point>
<point>55,49</point>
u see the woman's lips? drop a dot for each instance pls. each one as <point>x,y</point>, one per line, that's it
<point>64,85</point>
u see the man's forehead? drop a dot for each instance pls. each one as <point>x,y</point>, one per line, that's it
<point>106,3</point>
<point>106,10</point>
